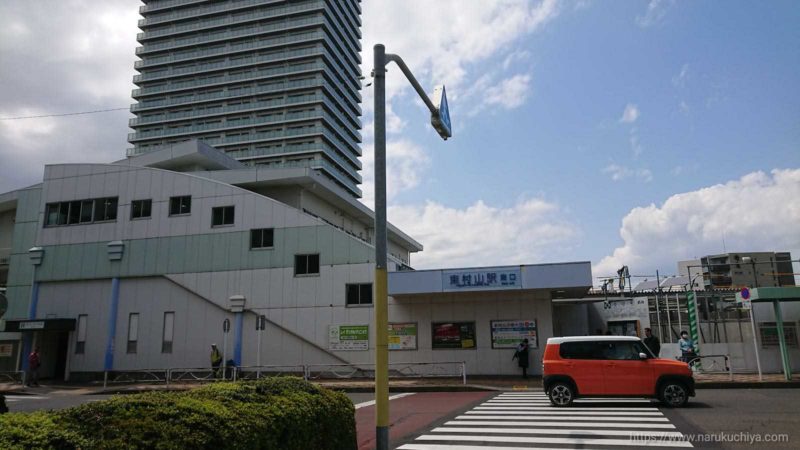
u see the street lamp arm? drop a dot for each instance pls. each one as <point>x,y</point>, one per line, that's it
<point>411,79</point>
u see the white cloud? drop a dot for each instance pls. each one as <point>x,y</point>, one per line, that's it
<point>406,164</point>
<point>507,94</point>
<point>619,173</point>
<point>758,212</point>
<point>532,230</point>
<point>630,114</point>
<point>656,10</point>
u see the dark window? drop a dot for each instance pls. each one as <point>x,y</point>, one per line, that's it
<point>81,211</point>
<point>133,332</point>
<point>105,209</point>
<point>359,294</point>
<point>262,238</point>
<point>167,332</point>
<point>306,264</point>
<point>86,211</point>
<point>80,341</point>
<point>180,205</point>
<point>141,209</point>
<point>74,213</point>
<point>222,215</point>
<point>582,350</point>
<point>620,350</point>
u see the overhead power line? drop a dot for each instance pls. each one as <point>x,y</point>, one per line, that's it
<point>62,115</point>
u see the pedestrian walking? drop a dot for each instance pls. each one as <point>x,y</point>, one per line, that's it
<point>521,355</point>
<point>687,347</point>
<point>216,360</point>
<point>652,342</point>
<point>33,367</point>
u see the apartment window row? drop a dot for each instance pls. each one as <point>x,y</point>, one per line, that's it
<point>81,211</point>
<point>167,333</point>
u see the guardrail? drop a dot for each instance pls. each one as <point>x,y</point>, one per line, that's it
<point>12,376</point>
<point>448,369</point>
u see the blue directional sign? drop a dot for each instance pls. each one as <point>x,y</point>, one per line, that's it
<point>441,120</point>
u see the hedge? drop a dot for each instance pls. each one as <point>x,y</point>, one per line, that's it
<point>275,413</point>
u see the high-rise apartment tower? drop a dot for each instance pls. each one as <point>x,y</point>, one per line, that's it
<point>272,83</point>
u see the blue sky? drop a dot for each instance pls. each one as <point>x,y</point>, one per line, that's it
<point>619,132</point>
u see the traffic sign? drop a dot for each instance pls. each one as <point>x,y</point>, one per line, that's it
<point>441,120</point>
<point>745,293</point>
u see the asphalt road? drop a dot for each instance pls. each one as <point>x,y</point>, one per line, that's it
<point>743,414</point>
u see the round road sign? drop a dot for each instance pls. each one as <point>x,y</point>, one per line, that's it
<point>745,293</point>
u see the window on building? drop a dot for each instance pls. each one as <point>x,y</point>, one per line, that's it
<point>168,332</point>
<point>306,264</point>
<point>141,209</point>
<point>769,334</point>
<point>359,294</point>
<point>80,341</point>
<point>81,211</point>
<point>105,209</point>
<point>262,238</point>
<point>221,216</point>
<point>133,332</point>
<point>180,205</point>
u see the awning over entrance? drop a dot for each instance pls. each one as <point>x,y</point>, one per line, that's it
<point>562,279</point>
<point>40,325</point>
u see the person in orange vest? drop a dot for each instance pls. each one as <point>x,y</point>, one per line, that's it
<point>33,367</point>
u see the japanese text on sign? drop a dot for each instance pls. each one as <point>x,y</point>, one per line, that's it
<point>482,279</point>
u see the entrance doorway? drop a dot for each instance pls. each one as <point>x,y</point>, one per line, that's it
<point>53,352</point>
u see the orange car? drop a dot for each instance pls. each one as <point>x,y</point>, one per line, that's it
<point>589,366</point>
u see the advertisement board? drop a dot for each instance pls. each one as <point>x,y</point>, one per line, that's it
<point>452,335</point>
<point>403,336</point>
<point>509,333</point>
<point>6,350</point>
<point>348,337</point>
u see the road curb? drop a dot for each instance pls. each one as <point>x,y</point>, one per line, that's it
<point>747,385</point>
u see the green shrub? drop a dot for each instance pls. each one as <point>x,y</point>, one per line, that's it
<point>271,414</point>
<point>37,430</point>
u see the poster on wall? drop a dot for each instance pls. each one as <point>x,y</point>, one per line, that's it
<point>403,336</point>
<point>348,337</point>
<point>509,333</point>
<point>6,350</point>
<point>452,335</point>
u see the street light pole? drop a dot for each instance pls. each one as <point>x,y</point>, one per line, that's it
<point>381,287</point>
<point>440,120</point>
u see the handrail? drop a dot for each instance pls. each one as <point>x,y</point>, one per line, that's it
<point>13,376</point>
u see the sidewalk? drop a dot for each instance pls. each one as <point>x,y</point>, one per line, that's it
<point>474,383</point>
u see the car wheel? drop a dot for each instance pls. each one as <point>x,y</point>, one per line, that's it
<point>673,394</point>
<point>561,394</point>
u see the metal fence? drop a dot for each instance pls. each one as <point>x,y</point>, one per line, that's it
<point>449,369</point>
<point>12,377</point>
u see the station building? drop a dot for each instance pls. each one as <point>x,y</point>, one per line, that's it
<point>138,263</point>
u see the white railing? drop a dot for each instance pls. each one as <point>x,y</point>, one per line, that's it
<point>447,369</point>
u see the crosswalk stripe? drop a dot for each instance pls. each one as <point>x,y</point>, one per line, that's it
<point>552,440</point>
<point>544,416</point>
<point>590,408</point>
<point>416,446</point>
<point>16,398</point>
<point>555,431</point>
<point>559,424</point>
<point>562,411</point>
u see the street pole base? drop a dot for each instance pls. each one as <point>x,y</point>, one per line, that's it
<point>381,438</point>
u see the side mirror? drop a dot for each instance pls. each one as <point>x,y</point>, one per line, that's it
<point>642,355</point>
